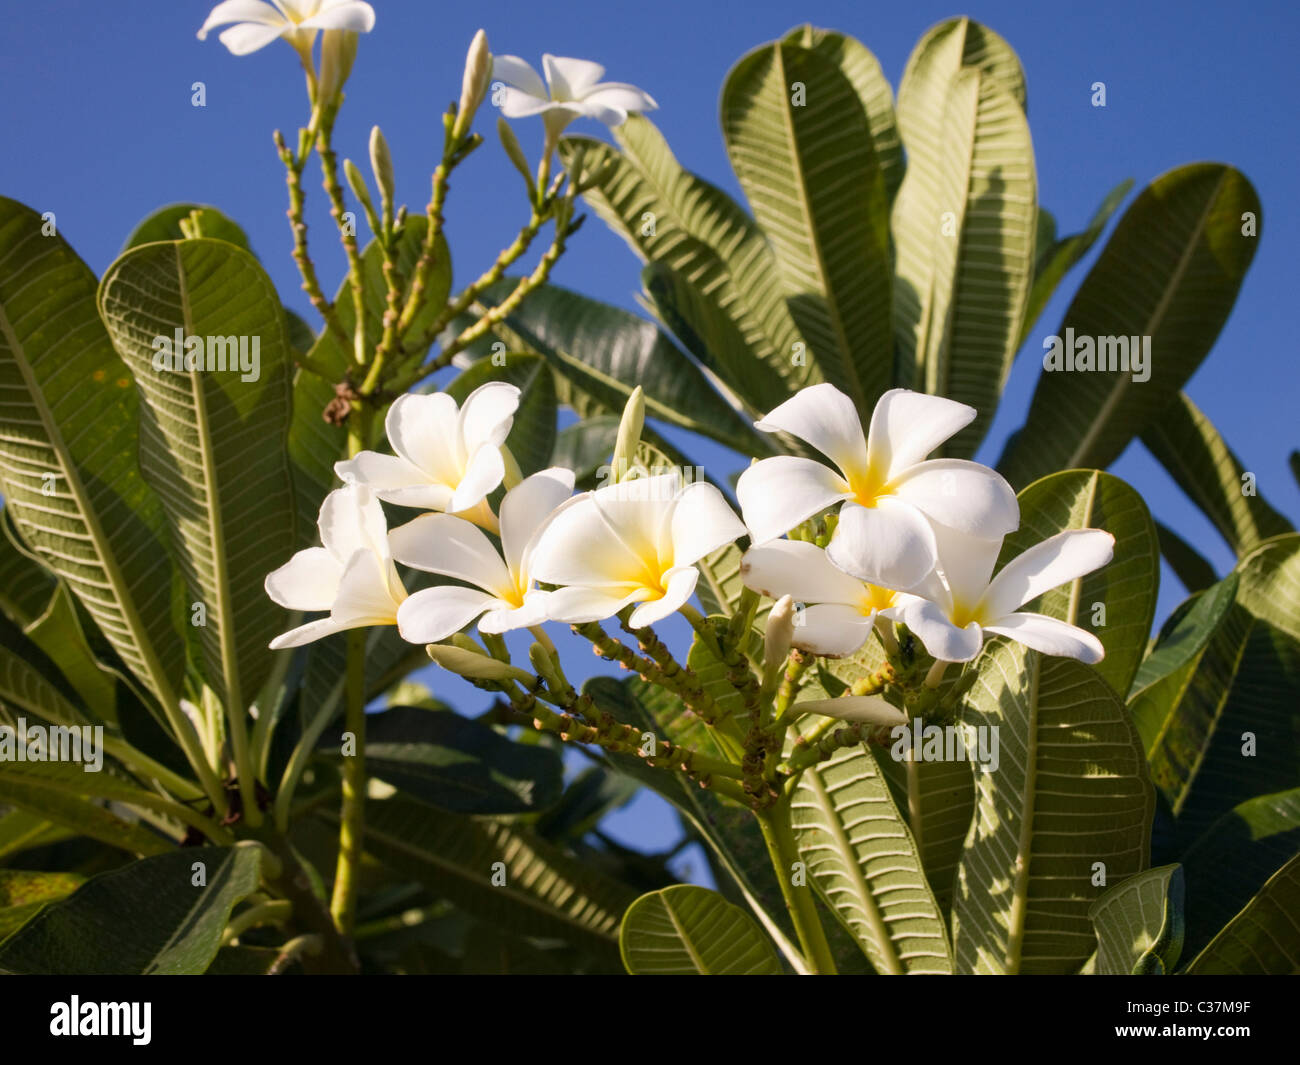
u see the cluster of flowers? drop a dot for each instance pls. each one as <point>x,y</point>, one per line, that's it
<point>914,540</point>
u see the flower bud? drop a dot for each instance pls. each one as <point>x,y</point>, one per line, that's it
<point>381,162</point>
<point>338,50</point>
<point>357,182</point>
<point>474,84</point>
<point>475,664</point>
<point>777,638</point>
<point>629,433</point>
<point>865,709</point>
<point>511,144</point>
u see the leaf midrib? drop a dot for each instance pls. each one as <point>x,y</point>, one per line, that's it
<point>1020,890</point>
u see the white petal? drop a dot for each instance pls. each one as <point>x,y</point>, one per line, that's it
<point>577,605</point>
<point>966,563</point>
<point>826,418</point>
<point>577,547</point>
<point>619,97</point>
<point>313,630</point>
<point>869,709</point>
<point>515,103</point>
<point>570,78</point>
<point>518,74</point>
<point>308,581</point>
<point>889,544</point>
<point>380,473</point>
<point>777,494</point>
<point>1045,566</point>
<point>424,430</point>
<point>242,11</point>
<point>486,470</point>
<point>501,618</point>
<point>610,116</point>
<point>799,569</point>
<point>970,498</point>
<point>831,629</point>
<point>941,637</point>
<point>680,587</point>
<point>365,595</point>
<point>248,37</point>
<point>702,522</point>
<point>354,15</point>
<point>433,614</point>
<point>487,414</point>
<point>1050,636</point>
<point>906,426</point>
<point>439,543</point>
<point>419,496</point>
<point>352,520</point>
<point>525,511</point>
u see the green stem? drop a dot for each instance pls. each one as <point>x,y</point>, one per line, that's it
<point>779,837</point>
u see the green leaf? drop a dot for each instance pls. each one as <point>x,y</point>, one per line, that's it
<point>1229,864</point>
<point>1071,790</point>
<point>673,218</point>
<point>607,352</point>
<point>532,436</point>
<point>1170,272</point>
<point>165,224</point>
<point>1221,728</point>
<point>314,444</point>
<point>965,220</point>
<point>1139,924</point>
<point>24,894</point>
<point>213,440</point>
<point>20,831</point>
<point>1186,443</point>
<point>59,634</point>
<point>1188,637</point>
<point>459,765</point>
<point>1125,588</point>
<point>585,446</point>
<point>1188,564</point>
<point>1055,258</point>
<point>25,585</point>
<point>69,469</point>
<point>545,893</point>
<point>147,918</point>
<point>865,862</point>
<point>691,931</point>
<point>1264,938</point>
<point>804,150</point>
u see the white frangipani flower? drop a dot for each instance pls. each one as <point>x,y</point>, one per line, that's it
<point>447,459</point>
<point>958,604</point>
<point>440,543</point>
<point>632,542</point>
<point>883,534</point>
<point>844,608</point>
<point>572,89</point>
<point>352,575</point>
<point>257,24</point>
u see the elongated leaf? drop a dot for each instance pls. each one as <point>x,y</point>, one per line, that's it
<point>68,455</point>
<point>457,764</point>
<point>1070,791</point>
<point>532,436</point>
<point>165,224</point>
<point>862,857</point>
<point>74,813</point>
<point>965,220</point>
<point>213,439</point>
<point>545,892</point>
<point>314,444</point>
<point>607,352</point>
<point>1188,636</point>
<point>1139,924</point>
<point>1221,728</point>
<point>671,217</point>
<point>1117,602</point>
<point>1170,272</point>
<point>1229,864</point>
<point>1264,938</point>
<point>1185,443</point>
<point>1054,258</point>
<point>147,918</point>
<point>691,931</point>
<point>802,145</point>
<point>58,633</point>
<point>25,585</point>
<point>585,446</point>
<point>24,894</point>
<point>20,830</point>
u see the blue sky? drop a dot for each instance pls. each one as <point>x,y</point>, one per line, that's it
<point>98,127</point>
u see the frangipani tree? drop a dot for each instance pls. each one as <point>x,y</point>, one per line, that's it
<point>920,727</point>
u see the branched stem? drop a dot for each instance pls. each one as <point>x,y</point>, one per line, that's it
<point>799,901</point>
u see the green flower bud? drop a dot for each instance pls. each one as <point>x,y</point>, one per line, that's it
<point>475,664</point>
<point>474,84</point>
<point>381,162</point>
